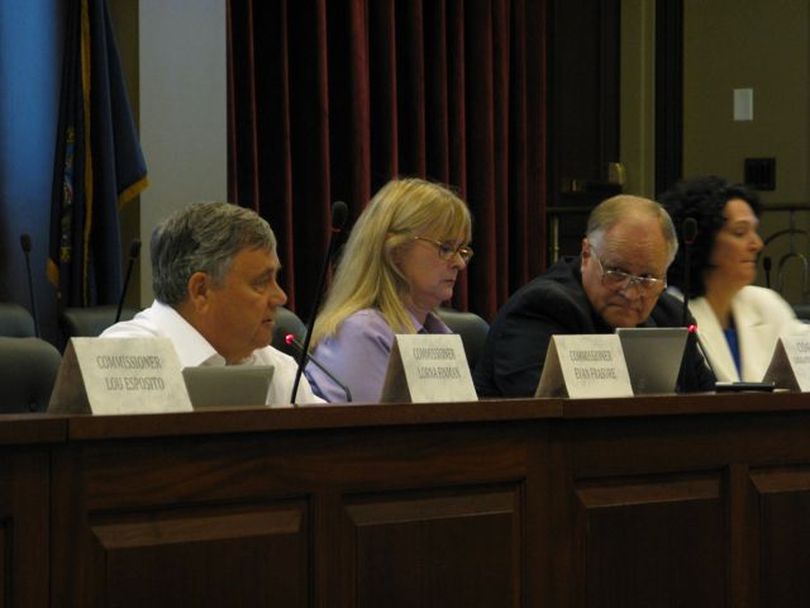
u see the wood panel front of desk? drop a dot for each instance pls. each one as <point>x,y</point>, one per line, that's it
<point>25,443</point>
<point>676,501</point>
<point>375,506</point>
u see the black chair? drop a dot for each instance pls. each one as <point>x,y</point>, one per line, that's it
<point>802,312</point>
<point>90,321</point>
<point>287,322</point>
<point>472,329</point>
<point>16,321</point>
<point>28,368</point>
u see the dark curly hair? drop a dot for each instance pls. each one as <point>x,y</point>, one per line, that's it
<point>704,199</point>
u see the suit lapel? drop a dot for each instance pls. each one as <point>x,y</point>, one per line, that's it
<point>713,341</point>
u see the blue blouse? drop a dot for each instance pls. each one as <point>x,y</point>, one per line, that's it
<point>734,347</point>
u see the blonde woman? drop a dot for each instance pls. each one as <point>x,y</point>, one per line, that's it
<point>400,263</point>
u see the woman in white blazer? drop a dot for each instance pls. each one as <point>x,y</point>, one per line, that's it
<point>738,323</point>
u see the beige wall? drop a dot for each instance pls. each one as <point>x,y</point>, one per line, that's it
<point>174,58</point>
<point>729,44</point>
<point>764,45</point>
<point>183,109</point>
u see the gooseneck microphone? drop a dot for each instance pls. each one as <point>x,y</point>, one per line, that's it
<point>25,242</point>
<point>291,340</point>
<point>693,335</point>
<point>689,232</point>
<point>340,211</point>
<point>134,252</point>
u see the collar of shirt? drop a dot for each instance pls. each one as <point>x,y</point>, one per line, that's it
<point>192,348</point>
<point>433,325</point>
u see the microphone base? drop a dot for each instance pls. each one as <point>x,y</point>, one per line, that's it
<point>738,387</point>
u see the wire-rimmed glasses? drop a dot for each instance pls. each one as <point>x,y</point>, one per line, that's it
<point>447,251</point>
<point>618,280</point>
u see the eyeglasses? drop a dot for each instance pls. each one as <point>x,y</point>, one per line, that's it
<point>620,280</point>
<point>447,251</point>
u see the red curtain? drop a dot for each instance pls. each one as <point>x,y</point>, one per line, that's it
<point>330,99</point>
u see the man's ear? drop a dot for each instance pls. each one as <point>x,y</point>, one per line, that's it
<point>198,289</point>
<point>586,248</point>
<point>585,254</point>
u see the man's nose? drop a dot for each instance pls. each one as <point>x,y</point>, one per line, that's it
<point>277,297</point>
<point>632,290</point>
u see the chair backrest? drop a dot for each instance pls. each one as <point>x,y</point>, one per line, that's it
<point>90,321</point>
<point>287,322</point>
<point>472,329</point>
<point>28,368</point>
<point>802,312</point>
<point>15,321</point>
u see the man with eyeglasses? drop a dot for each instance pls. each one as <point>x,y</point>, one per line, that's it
<point>618,280</point>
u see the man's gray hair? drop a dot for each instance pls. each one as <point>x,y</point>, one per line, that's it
<point>202,237</point>
<point>617,208</point>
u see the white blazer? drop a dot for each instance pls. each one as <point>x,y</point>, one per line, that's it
<point>760,317</point>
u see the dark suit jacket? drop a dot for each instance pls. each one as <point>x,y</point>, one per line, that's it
<point>555,303</point>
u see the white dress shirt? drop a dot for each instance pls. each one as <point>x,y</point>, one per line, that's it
<point>161,320</point>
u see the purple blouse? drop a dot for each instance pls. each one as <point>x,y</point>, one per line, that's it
<point>357,355</point>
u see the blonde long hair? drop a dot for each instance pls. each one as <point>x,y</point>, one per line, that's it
<point>367,275</point>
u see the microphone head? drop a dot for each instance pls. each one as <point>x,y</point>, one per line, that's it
<point>692,328</point>
<point>289,339</point>
<point>135,248</point>
<point>340,212</point>
<point>689,230</point>
<point>25,241</point>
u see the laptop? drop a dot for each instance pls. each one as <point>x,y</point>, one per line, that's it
<point>232,385</point>
<point>653,356</point>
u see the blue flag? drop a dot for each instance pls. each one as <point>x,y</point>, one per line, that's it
<point>98,166</point>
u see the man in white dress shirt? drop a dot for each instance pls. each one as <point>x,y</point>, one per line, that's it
<point>215,278</point>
